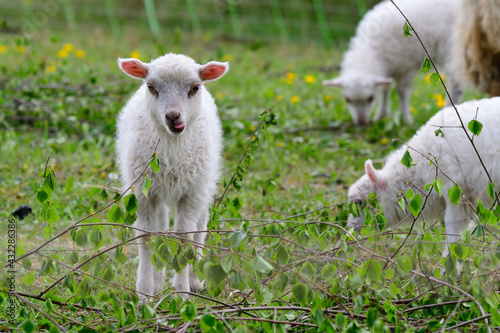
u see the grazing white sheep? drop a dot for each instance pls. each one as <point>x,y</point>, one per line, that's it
<point>380,53</point>
<point>457,163</point>
<point>477,46</point>
<point>171,107</point>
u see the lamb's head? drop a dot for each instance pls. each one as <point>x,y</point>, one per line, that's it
<point>377,181</point>
<point>359,91</point>
<point>174,85</point>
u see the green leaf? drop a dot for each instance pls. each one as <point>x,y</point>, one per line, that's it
<point>261,265</point>
<point>26,262</point>
<point>81,238</point>
<point>236,238</point>
<point>402,204</point>
<point>115,214</point>
<point>389,273</point>
<point>146,186</point>
<point>29,278</point>
<point>28,326</point>
<point>415,204</point>
<point>41,195</point>
<point>426,66</point>
<point>188,312</point>
<point>47,232</point>
<point>108,274</point>
<point>49,214</point>
<point>475,127</point>
<point>72,258</point>
<point>147,312</point>
<point>207,322</point>
<point>438,186</point>
<point>155,163</point>
<point>373,270</point>
<point>454,194</point>
<point>329,271</point>
<point>434,78</point>
<point>404,264</point>
<point>131,204</point>
<point>300,292</point>
<point>490,189</point>
<point>407,30</point>
<point>282,255</point>
<point>214,272</point>
<point>407,161</point>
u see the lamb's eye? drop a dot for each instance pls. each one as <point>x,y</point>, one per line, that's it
<point>348,100</point>
<point>152,89</point>
<point>370,99</point>
<point>194,89</point>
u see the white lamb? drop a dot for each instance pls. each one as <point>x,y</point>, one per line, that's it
<point>457,163</point>
<point>380,53</point>
<point>171,107</point>
<point>477,46</point>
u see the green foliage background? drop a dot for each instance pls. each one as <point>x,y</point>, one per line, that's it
<point>278,255</point>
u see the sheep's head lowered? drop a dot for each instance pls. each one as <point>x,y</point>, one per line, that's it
<point>174,83</point>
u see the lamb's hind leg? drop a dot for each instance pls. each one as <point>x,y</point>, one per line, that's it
<point>456,219</point>
<point>191,216</point>
<point>148,279</point>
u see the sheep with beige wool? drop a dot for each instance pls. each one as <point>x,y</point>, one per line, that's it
<point>173,112</point>
<point>457,163</point>
<point>379,54</point>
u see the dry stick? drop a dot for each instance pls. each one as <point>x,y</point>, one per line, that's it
<point>244,155</point>
<point>485,317</point>
<point>444,283</point>
<point>36,308</point>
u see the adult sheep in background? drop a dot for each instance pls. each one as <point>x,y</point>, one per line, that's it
<point>379,54</point>
<point>174,110</point>
<point>477,47</point>
<point>457,164</point>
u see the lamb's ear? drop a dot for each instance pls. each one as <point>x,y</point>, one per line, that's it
<point>377,179</point>
<point>381,81</point>
<point>337,82</point>
<point>133,68</point>
<point>213,70</point>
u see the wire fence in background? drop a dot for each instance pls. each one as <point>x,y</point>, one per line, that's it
<point>272,20</point>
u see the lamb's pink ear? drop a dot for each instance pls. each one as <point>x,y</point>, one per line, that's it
<point>133,68</point>
<point>213,70</point>
<point>337,82</point>
<point>377,179</point>
<point>381,81</point>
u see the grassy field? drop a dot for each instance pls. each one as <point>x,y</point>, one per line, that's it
<point>278,258</point>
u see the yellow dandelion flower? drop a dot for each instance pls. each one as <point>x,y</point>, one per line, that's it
<point>94,170</point>
<point>135,54</point>
<point>219,96</point>
<point>280,144</point>
<point>3,49</point>
<point>228,57</point>
<point>294,99</point>
<point>252,128</point>
<point>80,53</point>
<point>51,68</point>
<point>412,109</point>
<point>309,79</point>
<point>62,53</point>
<point>103,175</point>
<point>327,99</point>
<point>384,141</point>
<point>21,49</point>
<point>440,101</point>
<point>68,47</point>
<point>278,98</point>
<point>290,77</point>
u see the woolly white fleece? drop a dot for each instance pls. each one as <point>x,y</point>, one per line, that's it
<point>380,53</point>
<point>457,161</point>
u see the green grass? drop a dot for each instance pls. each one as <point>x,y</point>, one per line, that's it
<point>290,208</point>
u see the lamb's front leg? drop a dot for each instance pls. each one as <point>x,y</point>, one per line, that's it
<point>456,219</point>
<point>191,217</point>
<point>404,87</point>
<point>384,96</point>
<point>150,217</point>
